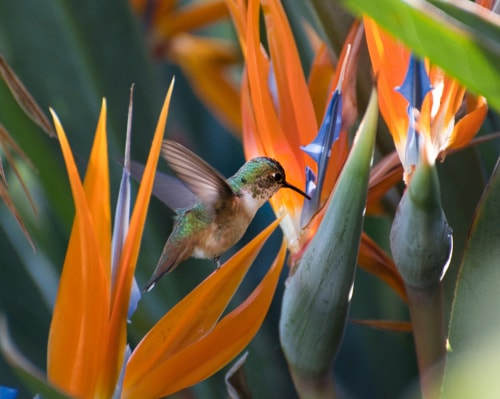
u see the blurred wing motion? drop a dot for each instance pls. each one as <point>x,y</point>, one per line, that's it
<point>203,180</point>
<point>168,189</point>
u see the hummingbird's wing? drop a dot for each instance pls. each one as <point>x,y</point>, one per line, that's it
<point>168,189</point>
<point>203,180</point>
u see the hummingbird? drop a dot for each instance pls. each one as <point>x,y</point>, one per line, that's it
<point>222,210</point>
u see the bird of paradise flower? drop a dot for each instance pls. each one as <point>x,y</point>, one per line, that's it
<point>88,354</point>
<point>283,112</point>
<point>424,108</point>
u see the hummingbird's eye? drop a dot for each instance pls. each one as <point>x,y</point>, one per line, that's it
<point>278,177</point>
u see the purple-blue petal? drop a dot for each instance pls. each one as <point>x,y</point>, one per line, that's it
<point>416,83</point>
<point>122,216</point>
<point>412,150</point>
<point>309,207</point>
<point>320,150</point>
<point>8,393</point>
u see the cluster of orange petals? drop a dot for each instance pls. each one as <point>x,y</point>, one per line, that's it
<point>88,339</point>
<point>437,122</point>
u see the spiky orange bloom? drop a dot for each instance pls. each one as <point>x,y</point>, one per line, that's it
<point>449,117</point>
<point>87,347</point>
<point>282,112</point>
<point>278,120</point>
<point>204,60</point>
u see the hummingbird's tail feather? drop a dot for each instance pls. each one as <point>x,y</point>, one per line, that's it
<point>169,260</point>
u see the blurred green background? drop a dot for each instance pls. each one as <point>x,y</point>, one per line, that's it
<point>70,54</point>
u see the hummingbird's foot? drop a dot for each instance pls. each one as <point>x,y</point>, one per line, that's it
<point>217,261</point>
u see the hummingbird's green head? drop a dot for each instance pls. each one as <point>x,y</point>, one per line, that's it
<point>262,177</point>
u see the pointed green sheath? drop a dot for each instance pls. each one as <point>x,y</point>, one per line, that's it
<point>421,243</point>
<point>421,240</point>
<point>317,296</point>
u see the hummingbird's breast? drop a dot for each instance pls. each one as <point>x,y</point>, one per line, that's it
<point>230,221</point>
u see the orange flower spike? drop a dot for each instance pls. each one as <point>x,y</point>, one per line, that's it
<point>435,118</point>
<point>389,62</point>
<point>269,134</point>
<point>78,330</point>
<point>116,339</point>
<point>295,108</point>
<point>191,17</point>
<point>204,61</point>
<point>187,323</point>
<point>467,127</point>
<point>320,80</point>
<point>229,337</point>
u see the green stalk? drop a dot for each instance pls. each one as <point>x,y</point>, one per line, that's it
<point>429,333</point>
<point>421,243</point>
<point>317,296</point>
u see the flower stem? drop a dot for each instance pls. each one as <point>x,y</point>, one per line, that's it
<point>427,316</point>
<point>320,386</point>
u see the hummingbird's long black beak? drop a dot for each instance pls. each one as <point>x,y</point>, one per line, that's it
<point>298,190</point>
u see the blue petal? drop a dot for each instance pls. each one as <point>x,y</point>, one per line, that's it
<point>122,216</point>
<point>320,150</point>
<point>8,393</point>
<point>309,208</point>
<point>119,384</point>
<point>329,130</point>
<point>310,181</point>
<point>412,150</point>
<point>416,83</point>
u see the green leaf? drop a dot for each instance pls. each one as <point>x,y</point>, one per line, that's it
<point>475,319</point>
<point>445,33</point>
<point>26,371</point>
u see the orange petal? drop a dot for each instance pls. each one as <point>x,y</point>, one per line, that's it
<point>296,111</point>
<point>390,62</point>
<point>194,316</point>
<point>78,332</point>
<point>207,355</point>
<point>205,62</point>
<point>383,176</point>
<point>188,18</point>
<point>320,80</point>
<point>270,135</point>
<point>385,325</point>
<point>375,261</point>
<point>467,127</point>
<point>237,10</point>
<point>96,186</point>
<point>116,339</point>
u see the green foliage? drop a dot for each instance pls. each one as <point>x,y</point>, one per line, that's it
<point>70,54</point>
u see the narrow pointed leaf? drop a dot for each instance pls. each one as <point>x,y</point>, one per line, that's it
<point>24,98</point>
<point>195,315</point>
